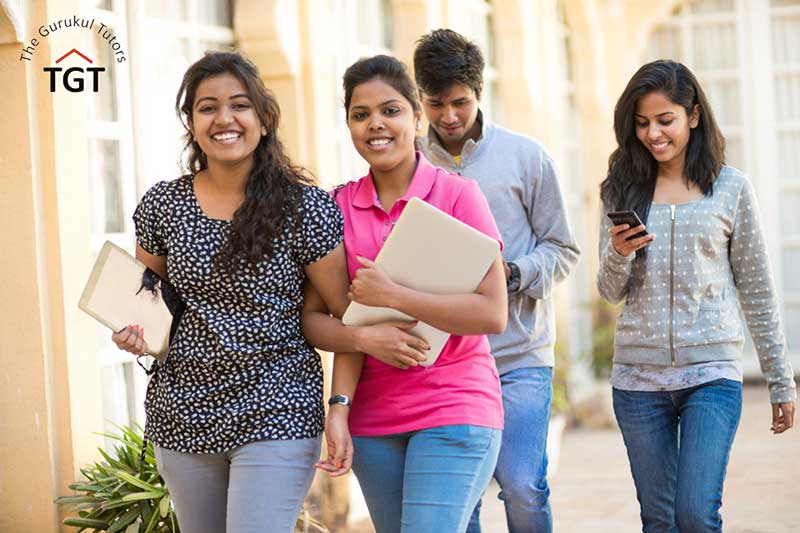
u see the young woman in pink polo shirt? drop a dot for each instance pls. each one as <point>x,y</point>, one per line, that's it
<point>425,440</point>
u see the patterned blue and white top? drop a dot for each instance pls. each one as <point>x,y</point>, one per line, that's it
<point>239,368</point>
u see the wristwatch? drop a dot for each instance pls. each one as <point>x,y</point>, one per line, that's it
<point>514,278</point>
<point>341,399</point>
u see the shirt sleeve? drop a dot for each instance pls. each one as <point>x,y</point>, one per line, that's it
<point>149,218</point>
<point>472,209</point>
<point>758,298</point>
<point>322,225</point>
<point>614,274</point>
<point>556,252</point>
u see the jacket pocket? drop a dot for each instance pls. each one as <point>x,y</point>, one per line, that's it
<point>522,309</point>
<point>719,322</point>
<point>637,326</point>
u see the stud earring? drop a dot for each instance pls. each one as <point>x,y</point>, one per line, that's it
<point>263,131</point>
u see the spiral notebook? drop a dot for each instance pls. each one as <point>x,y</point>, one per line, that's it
<point>112,296</point>
<point>428,250</point>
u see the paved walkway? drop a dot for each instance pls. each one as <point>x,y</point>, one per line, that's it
<point>593,491</point>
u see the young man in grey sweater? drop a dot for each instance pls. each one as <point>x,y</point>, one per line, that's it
<point>519,180</point>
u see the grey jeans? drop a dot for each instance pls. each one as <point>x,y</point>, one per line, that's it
<point>256,488</point>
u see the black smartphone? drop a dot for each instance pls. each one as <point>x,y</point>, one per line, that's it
<point>627,217</point>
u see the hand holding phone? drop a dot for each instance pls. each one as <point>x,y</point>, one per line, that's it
<point>630,218</point>
<point>625,240</point>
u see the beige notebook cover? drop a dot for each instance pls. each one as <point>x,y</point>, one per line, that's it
<point>429,250</point>
<point>110,297</point>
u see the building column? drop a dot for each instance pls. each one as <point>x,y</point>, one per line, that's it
<point>411,21</point>
<point>47,350</point>
<point>268,32</point>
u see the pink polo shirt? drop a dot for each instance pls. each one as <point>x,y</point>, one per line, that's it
<point>463,386</point>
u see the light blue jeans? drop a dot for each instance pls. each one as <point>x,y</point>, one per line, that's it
<point>258,487</point>
<point>426,480</point>
<point>522,465</point>
<point>678,446</point>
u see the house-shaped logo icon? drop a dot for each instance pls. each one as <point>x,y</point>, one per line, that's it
<point>73,78</point>
<point>73,51</point>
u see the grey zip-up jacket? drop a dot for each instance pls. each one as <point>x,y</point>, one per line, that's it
<point>682,302</point>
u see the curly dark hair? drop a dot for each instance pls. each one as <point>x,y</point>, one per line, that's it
<point>273,192</point>
<point>444,57</point>
<point>632,170</point>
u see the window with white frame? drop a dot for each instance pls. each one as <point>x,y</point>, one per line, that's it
<point>784,21</point>
<point>746,54</point>
<point>135,138</point>
<point>112,189</point>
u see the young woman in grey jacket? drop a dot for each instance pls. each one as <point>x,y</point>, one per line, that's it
<point>677,372</point>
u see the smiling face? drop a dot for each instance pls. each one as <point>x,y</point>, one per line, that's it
<point>664,127</point>
<point>453,115</point>
<point>224,122</point>
<point>382,125</point>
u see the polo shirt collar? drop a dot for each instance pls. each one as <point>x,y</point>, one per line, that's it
<point>421,183</point>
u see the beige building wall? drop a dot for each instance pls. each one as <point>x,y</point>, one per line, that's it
<point>50,394</point>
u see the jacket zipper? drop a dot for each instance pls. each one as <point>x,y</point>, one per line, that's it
<point>671,283</point>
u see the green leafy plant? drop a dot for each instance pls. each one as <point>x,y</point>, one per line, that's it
<point>120,494</point>
<point>604,320</point>
<point>560,400</point>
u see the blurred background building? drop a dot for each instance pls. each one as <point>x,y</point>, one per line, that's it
<point>73,165</point>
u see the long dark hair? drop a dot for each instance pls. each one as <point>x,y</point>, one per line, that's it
<point>385,68</point>
<point>632,170</point>
<point>272,192</point>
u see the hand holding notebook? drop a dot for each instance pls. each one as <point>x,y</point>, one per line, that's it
<point>428,250</point>
<point>114,296</point>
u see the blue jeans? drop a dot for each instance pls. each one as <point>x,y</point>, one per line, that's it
<point>678,446</point>
<point>522,465</point>
<point>426,480</point>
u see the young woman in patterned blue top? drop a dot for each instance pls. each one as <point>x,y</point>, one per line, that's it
<point>677,376</point>
<point>235,412</point>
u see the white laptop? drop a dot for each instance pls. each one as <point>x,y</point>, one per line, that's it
<point>428,250</point>
<point>113,298</point>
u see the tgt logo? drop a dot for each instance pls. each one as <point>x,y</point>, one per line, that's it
<point>74,77</point>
